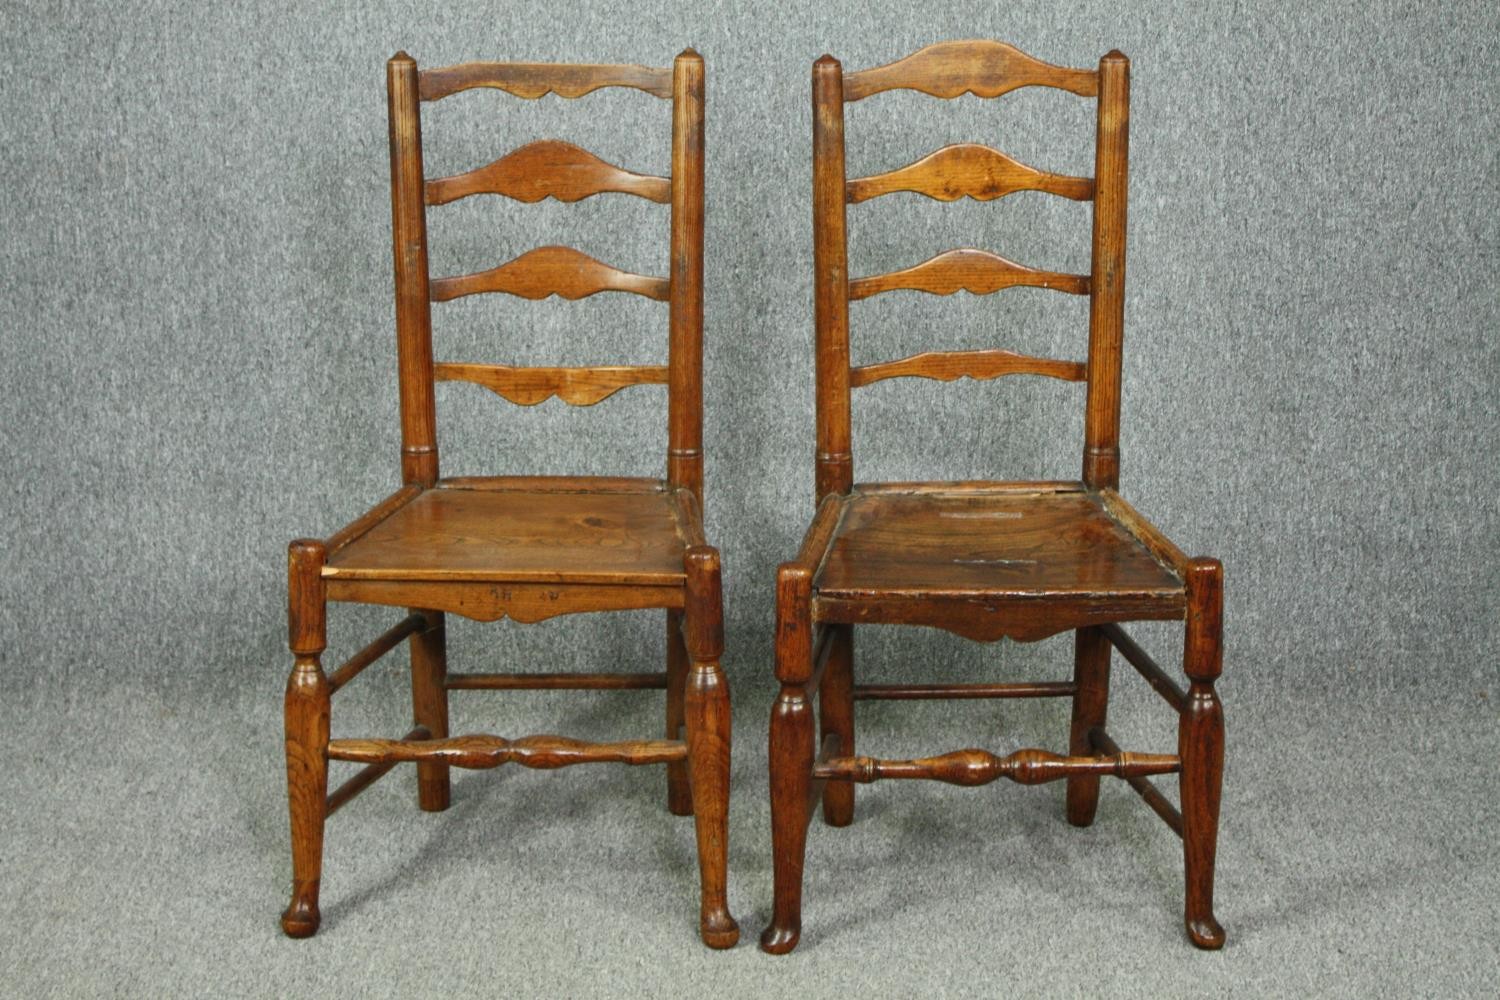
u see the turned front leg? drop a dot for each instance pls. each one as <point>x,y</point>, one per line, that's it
<point>307,698</point>
<point>791,753</point>
<point>708,736</point>
<point>1200,744</point>
<point>1091,653</point>
<point>429,696</point>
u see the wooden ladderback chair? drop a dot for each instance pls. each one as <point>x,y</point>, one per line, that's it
<point>525,547</point>
<point>983,559</point>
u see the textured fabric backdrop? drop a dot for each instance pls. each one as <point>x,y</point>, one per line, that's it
<point>199,363</point>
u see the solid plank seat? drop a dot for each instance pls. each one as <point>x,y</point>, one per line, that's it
<point>963,545</point>
<point>986,564</point>
<point>523,535</point>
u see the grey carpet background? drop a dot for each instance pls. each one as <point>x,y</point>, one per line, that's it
<point>198,366</point>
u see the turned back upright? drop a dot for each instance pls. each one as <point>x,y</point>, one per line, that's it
<point>535,171</point>
<point>986,69</point>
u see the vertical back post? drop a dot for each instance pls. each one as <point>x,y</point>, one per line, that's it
<point>685,347</point>
<point>1101,454</point>
<point>835,463</point>
<point>419,454</point>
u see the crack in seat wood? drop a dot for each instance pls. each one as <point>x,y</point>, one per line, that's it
<point>986,560</point>
<point>525,548</point>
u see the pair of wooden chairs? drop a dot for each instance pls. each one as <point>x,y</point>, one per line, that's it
<point>985,560</point>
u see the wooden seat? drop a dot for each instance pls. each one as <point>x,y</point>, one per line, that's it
<point>512,531</point>
<point>929,549</point>
<point>985,560</point>
<point>525,548</point>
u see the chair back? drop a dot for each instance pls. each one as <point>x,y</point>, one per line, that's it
<point>549,168</point>
<point>986,69</point>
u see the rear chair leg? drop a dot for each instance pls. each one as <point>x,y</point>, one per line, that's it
<point>1091,652</point>
<point>1200,744</point>
<point>679,793</point>
<point>429,696</point>
<point>836,715</point>
<point>792,755</point>
<point>706,702</point>
<point>307,698</point>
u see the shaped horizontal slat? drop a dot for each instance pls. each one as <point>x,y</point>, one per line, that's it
<point>548,168</point>
<point>574,386</point>
<point>546,271</point>
<point>980,67</point>
<point>483,751</point>
<point>973,271</point>
<point>979,767</point>
<point>968,169</point>
<point>533,80</point>
<point>945,366</point>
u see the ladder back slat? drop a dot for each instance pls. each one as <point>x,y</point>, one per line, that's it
<point>528,386</point>
<point>553,270</point>
<point>972,170</point>
<point>980,67</point>
<point>548,168</point>
<point>534,80</point>
<point>976,271</point>
<point>946,366</point>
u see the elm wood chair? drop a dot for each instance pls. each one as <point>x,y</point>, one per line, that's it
<point>985,560</point>
<point>519,547</point>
